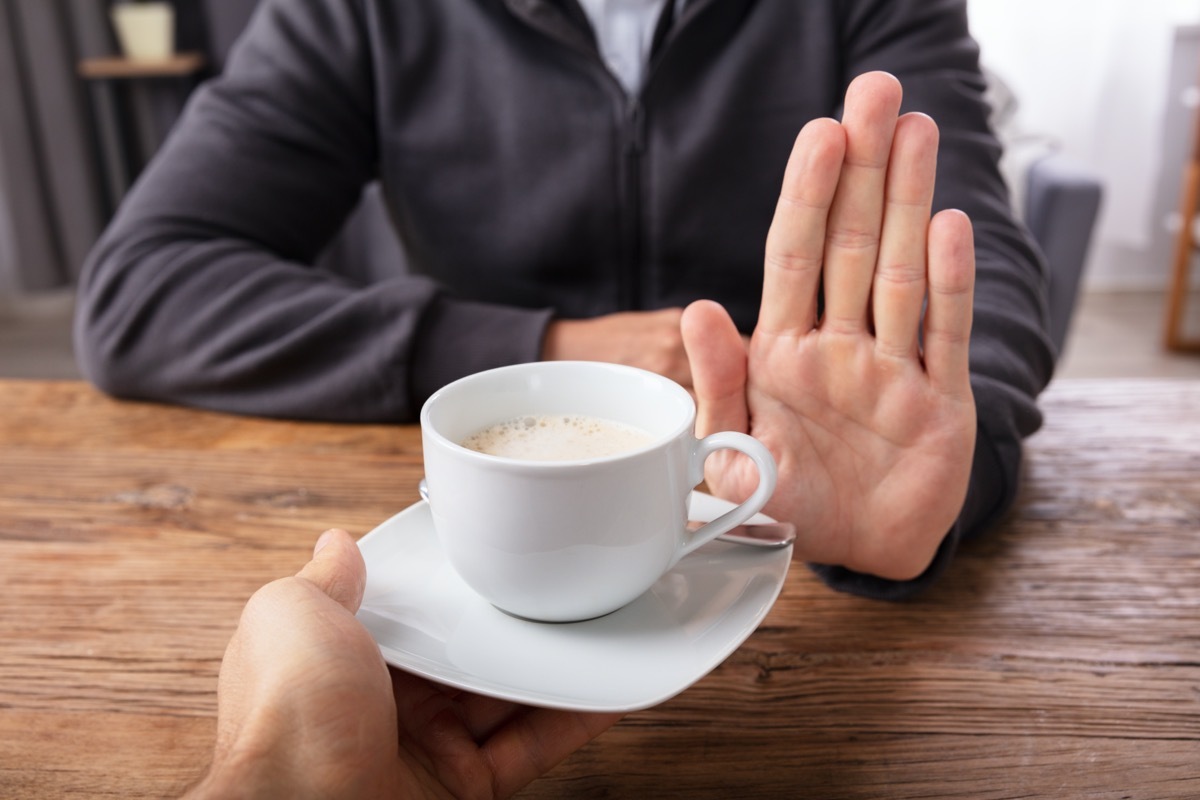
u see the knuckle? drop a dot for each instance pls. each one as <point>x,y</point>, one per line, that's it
<point>902,274</point>
<point>796,201</point>
<point>841,324</point>
<point>793,262</point>
<point>850,238</point>
<point>950,335</point>
<point>893,352</point>
<point>950,289</point>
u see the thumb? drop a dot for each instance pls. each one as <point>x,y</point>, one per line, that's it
<point>717,356</point>
<point>337,569</point>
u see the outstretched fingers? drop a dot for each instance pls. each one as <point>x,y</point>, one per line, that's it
<point>951,299</point>
<point>796,241</point>
<point>855,220</point>
<point>898,293</point>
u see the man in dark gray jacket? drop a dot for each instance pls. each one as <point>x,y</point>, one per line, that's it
<point>548,210</point>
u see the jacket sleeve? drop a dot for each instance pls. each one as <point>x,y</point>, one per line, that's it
<point>202,291</point>
<point>926,44</point>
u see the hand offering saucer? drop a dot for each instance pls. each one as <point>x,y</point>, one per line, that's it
<point>428,622</point>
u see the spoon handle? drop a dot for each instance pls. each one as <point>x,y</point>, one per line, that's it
<point>761,534</point>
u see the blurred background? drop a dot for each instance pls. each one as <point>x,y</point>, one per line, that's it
<point>1097,101</point>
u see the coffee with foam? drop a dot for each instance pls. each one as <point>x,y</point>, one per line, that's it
<point>557,437</point>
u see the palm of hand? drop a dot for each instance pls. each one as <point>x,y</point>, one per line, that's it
<point>857,373</point>
<point>877,458</point>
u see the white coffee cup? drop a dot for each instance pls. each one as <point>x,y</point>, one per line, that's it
<point>571,540</point>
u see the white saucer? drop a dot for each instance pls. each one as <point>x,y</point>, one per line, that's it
<point>428,622</point>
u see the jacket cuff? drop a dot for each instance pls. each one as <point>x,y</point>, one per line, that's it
<point>459,337</point>
<point>989,494</point>
<point>876,588</point>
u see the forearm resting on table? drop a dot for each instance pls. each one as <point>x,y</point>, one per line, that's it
<point>647,339</point>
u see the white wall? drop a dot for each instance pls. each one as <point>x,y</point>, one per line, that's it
<point>1098,77</point>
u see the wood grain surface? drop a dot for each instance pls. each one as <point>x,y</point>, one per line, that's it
<point>1059,656</point>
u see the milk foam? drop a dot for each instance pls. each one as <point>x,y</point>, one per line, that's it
<point>557,437</point>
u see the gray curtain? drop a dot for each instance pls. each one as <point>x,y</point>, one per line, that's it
<point>53,201</point>
<point>70,148</point>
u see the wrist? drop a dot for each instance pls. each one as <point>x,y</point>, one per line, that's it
<point>231,780</point>
<point>249,766</point>
<point>273,760</point>
<point>556,340</point>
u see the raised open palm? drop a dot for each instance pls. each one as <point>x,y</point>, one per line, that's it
<point>866,403</point>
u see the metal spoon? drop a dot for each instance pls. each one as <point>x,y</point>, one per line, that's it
<point>770,535</point>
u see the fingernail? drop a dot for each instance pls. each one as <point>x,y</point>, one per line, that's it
<point>324,539</point>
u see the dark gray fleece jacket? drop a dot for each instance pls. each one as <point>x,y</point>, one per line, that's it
<point>524,183</point>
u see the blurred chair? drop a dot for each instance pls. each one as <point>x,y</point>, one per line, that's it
<point>1062,202</point>
<point>1185,250</point>
<point>1057,199</point>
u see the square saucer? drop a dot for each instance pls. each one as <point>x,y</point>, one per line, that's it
<point>428,622</point>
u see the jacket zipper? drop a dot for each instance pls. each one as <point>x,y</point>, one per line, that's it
<point>630,281</point>
<point>631,119</point>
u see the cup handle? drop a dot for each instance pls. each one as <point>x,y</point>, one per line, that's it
<point>759,454</point>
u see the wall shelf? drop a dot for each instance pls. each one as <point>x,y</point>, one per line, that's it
<point>181,65</point>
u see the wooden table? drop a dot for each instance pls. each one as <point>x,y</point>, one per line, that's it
<point>1060,657</point>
